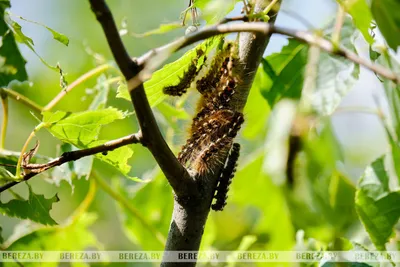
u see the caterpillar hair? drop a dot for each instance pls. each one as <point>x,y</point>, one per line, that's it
<point>219,141</point>
<point>225,179</point>
<point>186,80</point>
<point>221,65</point>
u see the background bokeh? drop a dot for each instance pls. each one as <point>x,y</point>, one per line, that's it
<point>256,207</point>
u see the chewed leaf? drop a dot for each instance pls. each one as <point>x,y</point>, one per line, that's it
<point>170,74</point>
<point>160,30</point>
<point>22,38</point>
<point>36,208</point>
<point>82,128</point>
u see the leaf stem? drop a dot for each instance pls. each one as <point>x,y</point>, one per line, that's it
<point>83,207</point>
<point>127,204</point>
<point>81,79</point>
<point>4,102</point>
<point>269,7</point>
<point>24,148</point>
<point>23,99</point>
<point>338,27</point>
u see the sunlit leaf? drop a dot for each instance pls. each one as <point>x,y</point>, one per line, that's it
<point>376,206</point>
<point>387,17</point>
<point>170,74</point>
<point>82,128</point>
<point>362,16</point>
<point>36,208</point>
<point>160,30</point>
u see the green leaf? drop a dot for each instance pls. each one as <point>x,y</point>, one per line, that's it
<point>82,128</point>
<point>160,30</point>
<point>335,76</point>
<point>288,66</point>
<point>72,237</point>
<point>379,216</point>
<point>117,158</point>
<point>362,16</point>
<point>22,38</point>
<point>59,36</point>
<point>387,17</point>
<point>376,206</point>
<point>215,11</point>
<point>169,74</point>
<point>56,35</point>
<point>36,208</point>
<point>9,52</point>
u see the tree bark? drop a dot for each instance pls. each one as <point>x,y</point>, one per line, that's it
<point>190,214</point>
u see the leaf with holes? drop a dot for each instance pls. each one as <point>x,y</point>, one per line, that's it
<point>36,208</point>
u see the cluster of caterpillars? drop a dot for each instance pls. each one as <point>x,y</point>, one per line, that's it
<point>216,124</point>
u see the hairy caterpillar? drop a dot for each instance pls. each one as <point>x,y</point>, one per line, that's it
<point>216,124</point>
<point>186,80</point>
<point>225,178</point>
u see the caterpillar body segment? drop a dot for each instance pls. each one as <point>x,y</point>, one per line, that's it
<point>225,179</point>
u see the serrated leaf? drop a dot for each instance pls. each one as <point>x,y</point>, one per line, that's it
<point>82,128</point>
<point>387,18</point>
<point>378,216</point>
<point>36,208</point>
<point>73,237</point>
<point>9,52</point>
<point>169,74</point>
<point>376,206</point>
<point>362,16</point>
<point>117,158</point>
<point>288,66</point>
<point>163,28</point>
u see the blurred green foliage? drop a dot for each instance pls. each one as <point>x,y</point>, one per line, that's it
<point>289,193</point>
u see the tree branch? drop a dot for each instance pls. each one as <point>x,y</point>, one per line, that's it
<point>252,27</point>
<point>176,174</point>
<point>35,169</point>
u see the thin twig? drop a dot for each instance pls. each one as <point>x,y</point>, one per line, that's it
<point>34,168</point>
<point>260,27</point>
<point>74,84</point>
<point>23,99</point>
<point>176,174</point>
<point>338,26</point>
<point>4,102</point>
<point>128,205</point>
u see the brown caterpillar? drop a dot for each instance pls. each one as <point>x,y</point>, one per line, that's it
<point>186,80</point>
<point>225,179</point>
<point>215,125</point>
